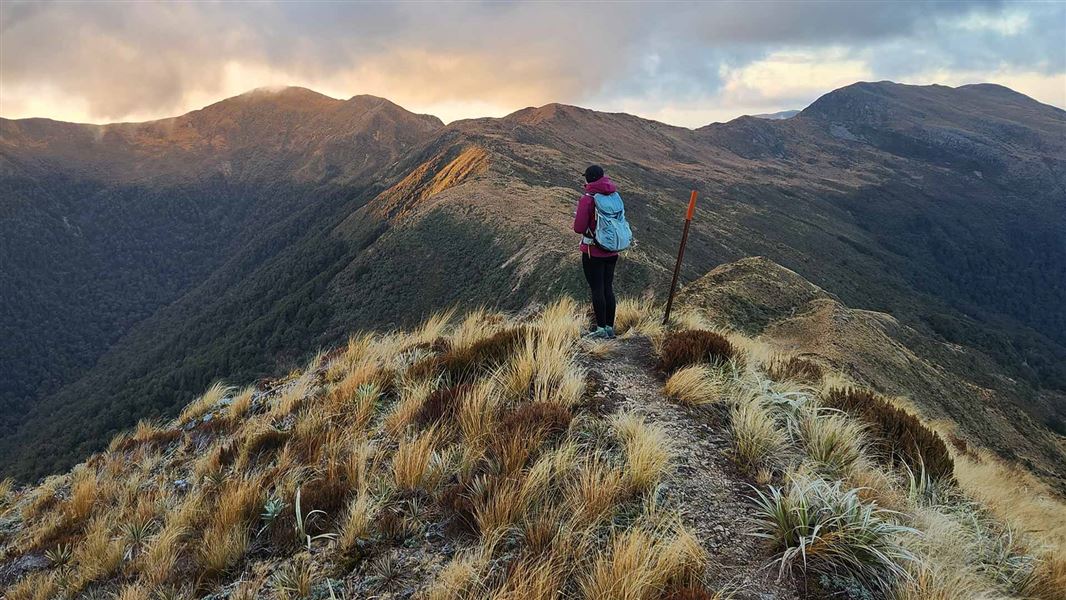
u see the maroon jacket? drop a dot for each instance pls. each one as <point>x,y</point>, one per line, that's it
<point>585,219</point>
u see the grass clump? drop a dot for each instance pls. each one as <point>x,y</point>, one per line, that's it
<point>832,441</point>
<point>205,403</point>
<point>903,434</point>
<point>694,346</point>
<point>413,462</point>
<point>465,362</point>
<point>817,526</point>
<point>695,385</point>
<point>757,440</point>
<point>647,451</point>
<point>34,586</point>
<point>645,563</point>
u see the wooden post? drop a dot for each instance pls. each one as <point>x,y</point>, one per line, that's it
<point>680,255</point>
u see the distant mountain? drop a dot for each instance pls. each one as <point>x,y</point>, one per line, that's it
<point>783,114</point>
<point>104,226</point>
<point>151,258</point>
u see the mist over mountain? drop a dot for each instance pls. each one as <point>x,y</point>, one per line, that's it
<point>141,261</point>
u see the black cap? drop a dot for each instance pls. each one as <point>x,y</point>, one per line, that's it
<point>593,173</point>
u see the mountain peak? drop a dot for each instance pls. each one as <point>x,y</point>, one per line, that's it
<point>877,101</point>
<point>285,98</point>
<point>536,115</point>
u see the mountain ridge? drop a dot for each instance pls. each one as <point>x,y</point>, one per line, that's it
<point>326,247</point>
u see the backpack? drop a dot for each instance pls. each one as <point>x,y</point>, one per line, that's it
<point>612,230</point>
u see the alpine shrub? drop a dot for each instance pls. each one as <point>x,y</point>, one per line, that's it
<point>694,346</point>
<point>902,433</point>
<point>796,369</point>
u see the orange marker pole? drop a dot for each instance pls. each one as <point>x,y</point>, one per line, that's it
<point>680,255</point>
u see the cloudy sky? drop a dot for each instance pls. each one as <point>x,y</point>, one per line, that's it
<point>682,63</point>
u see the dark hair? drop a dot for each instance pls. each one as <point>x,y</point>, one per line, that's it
<point>593,173</point>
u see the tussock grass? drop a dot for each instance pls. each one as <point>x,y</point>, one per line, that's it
<point>410,405</point>
<point>832,440</point>
<point>695,385</point>
<point>7,489</point>
<point>100,553</point>
<point>479,429</point>
<point>360,464</point>
<point>477,415</point>
<point>647,451</point>
<point>258,439</point>
<point>544,368</point>
<point>413,462</point>
<point>148,433</point>
<point>357,523</point>
<point>645,562</point>
<point>757,440</point>
<point>560,325</point>
<point>83,495</point>
<point>686,318</point>
<point>478,324</point>
<point>355,351</point>
<point>241,403</point>
<point>484,352</point>
<point>295,579</point>
<point>532,579</point>
<point>521,431</point>
<point>1016,497</point>
<point>499,504</point>
<point>1048,580</point>
<point>600,349</point>
<point>134,591</point>
<point>158,561</point>
<point>34,586</point>
<point>294,397</point>
<point>221,549</point>
<point>433,327</point>
<point>595,491</point>
<point>635,317</point>
<point>205,403</point>
<point>459,578</point>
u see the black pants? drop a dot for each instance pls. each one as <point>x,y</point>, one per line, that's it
<point>599,272</point>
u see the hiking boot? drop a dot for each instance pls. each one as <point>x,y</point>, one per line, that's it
<point>600,333</point>
<point>610,332</point>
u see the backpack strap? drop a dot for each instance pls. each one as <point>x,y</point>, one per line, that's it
<point>589,238</point>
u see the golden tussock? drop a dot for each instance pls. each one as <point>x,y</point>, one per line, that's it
<point>647,451</point>
<point>695,385</point>
<point>202,405</point>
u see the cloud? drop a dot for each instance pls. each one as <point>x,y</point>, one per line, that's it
<point>680,61</point>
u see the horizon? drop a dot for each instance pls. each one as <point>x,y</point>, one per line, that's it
<point>276,89</point>
<point>683,64</point>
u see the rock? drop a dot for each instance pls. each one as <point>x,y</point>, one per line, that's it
<point>17,569</point>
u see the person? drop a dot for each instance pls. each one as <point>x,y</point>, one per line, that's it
<point>598,264</point>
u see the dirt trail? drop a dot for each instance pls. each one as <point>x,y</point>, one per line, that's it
<point>705,483</point>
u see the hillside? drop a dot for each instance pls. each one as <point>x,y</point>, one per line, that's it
<point>499,456</point>
<point>104,226</point>
<point>941,206</point>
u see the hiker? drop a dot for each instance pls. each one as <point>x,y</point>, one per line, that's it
<point>601,205</point>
